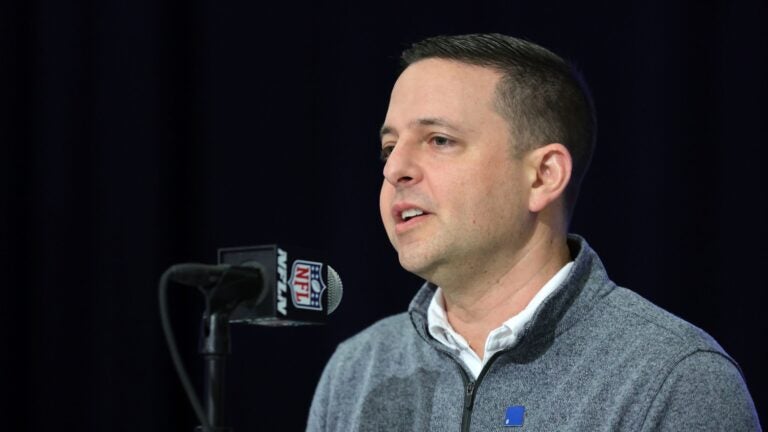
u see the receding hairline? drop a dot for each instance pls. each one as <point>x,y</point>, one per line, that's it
<point>497,103</point>
<point>445,122</point>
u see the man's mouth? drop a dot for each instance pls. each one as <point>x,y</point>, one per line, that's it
<point>406,214</point>
<point>410,213</point>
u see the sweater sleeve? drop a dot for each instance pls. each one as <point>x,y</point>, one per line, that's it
<point>318,412</point>
<point>704,392</point>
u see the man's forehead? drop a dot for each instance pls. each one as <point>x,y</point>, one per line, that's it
<point>445,93</point>
<point>425,121</point>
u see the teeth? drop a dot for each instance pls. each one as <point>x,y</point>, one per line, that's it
<point>407,214</point>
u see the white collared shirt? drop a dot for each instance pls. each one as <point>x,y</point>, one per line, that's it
<point>501,338</point>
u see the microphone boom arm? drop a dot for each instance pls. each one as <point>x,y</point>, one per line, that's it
<point>224,287</point>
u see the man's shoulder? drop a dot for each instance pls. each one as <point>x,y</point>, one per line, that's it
<point>687,370</point>
<point>389,346</point>
<point>655,328</point>
<point>384,337</point>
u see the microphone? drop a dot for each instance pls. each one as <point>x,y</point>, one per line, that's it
<point>267,285</point>
<point>262,285</point>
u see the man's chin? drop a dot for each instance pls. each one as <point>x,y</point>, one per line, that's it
<point>421,265</point>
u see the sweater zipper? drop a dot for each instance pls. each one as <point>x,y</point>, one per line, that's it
<point>468,401</point>
<point>470,390</point>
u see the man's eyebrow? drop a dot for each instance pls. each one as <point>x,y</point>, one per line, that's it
<point>385,130</point>
<point>427,121</point>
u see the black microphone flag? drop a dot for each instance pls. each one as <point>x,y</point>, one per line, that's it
<point>299,288</point>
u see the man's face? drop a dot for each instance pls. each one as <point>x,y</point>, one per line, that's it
<point>453,199</point>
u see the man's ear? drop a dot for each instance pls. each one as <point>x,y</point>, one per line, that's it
<point>550,168</point>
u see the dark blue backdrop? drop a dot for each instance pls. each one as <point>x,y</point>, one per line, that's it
<point>140,134</point>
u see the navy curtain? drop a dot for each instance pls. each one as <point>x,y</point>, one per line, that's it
<point>138,134</point>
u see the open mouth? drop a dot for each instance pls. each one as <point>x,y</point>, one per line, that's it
<point>411,214</point>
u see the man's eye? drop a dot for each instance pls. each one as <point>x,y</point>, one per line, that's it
<point>385,152</point>
<point>442,141</point>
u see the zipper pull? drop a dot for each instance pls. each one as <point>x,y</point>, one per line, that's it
<point>468,397</point>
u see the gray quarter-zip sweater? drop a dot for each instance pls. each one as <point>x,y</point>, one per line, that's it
<point>595,357</point>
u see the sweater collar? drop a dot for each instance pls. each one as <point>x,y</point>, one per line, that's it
<point>569,303</point>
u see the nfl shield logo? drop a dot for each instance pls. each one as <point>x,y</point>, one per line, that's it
<point>306,284</point>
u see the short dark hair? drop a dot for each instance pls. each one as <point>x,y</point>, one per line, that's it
<point>544,98</point>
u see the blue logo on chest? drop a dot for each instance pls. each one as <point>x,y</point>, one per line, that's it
<point>514,416</point>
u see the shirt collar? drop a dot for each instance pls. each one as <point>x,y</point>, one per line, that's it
<point>584,287</point>
<point>499,339</point>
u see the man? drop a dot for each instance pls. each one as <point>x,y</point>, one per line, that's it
<point>486,140</point>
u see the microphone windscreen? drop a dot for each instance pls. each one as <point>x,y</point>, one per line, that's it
<point>335,290</point>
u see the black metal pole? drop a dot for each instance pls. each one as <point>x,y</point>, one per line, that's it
<point>233,286</point>
<point>214,348</point>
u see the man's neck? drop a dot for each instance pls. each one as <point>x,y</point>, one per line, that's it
<point>475,310</point>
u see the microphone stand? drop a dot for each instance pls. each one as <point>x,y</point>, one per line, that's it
<point>215,346</point>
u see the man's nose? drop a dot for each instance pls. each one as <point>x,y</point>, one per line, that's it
<point>402,167</point>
